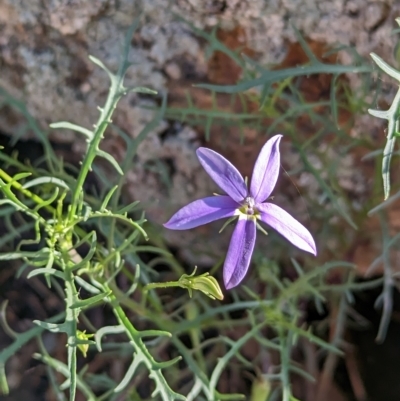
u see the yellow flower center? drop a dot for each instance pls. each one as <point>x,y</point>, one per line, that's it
<point>248,208</point>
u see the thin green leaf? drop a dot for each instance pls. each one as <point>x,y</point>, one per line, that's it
<point>89,301</point>
<point>110,159</point>
<point>386,67</point>
<point>88,287</point>
<point>46,180</point>
<point>107,198</point>
<point>102,66</point>
<point>141,89</point>
<point>107,330</point>
<point>63,369</point>
<point>137,360</point>
<point>47,271</point>
<point>53,327</point>
<point>23,338</point>
<point>66,125</point>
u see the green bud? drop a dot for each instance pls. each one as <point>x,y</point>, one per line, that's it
<point>209,285</point>
<point>204,283</point>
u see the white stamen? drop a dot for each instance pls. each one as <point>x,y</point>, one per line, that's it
<point>249,201</point>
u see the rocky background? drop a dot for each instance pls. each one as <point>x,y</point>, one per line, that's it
<point>44,48</point>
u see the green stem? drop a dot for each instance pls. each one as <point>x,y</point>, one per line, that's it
<point>142,352</point>
<point>71,318</point>
<point>103,121</point>
<point>167,284</point>
<point>117,90</point>
<point>285,362</point>
<point>17,185</point>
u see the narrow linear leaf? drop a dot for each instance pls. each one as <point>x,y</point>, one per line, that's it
<point>107,198</point>
<point>166,364</point>
<point>107,330</point>
<point>385,67</point>
<point>48,271</point>
<point>141,89</point>
<point>49,201</point>
<point>90,254</point>
<point>102,66</point>
<point>387,157</point>
<point>66,125</point>
<point>269,77</point>
<point>20,176</point>
<point>64,370</point>
<point>53,327</point>
<point>90,301</point>
<point>129,374</point>
<point>88,287</point>
<point>128,208</point>
<point>110,159</point>
<point>379,113</point>
<point>384,204</point>
<point>328,191</point>
<point>19,255</point>
<point>23,338</point>
<point>154,333</point>
<point>230,354</point>
<point>46,180</point>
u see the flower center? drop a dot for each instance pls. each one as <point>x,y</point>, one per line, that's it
<point>249,205</point>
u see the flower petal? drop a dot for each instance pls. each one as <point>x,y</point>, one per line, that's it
<point>287,226</point>
<point>239,253</point>
<point>224,173</point>
<point>201,212</point>
<point>266,170</point>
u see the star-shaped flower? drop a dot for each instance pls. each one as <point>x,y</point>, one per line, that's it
<point>249,204</point>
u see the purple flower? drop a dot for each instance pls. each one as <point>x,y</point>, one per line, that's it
<point>248,204</point>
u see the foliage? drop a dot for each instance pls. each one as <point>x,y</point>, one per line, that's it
<point>83,245</point>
